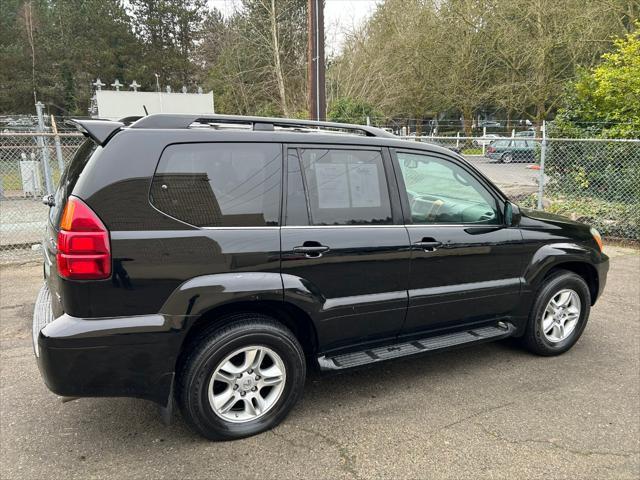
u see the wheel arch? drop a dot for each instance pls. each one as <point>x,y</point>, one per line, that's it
<point>289,315</point>
<point>570,256</point>
<point>581,268</point>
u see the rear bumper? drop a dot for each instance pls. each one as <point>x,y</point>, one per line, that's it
<point>106,357</point>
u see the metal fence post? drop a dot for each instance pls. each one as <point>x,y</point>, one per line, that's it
<point>484,134</point>
<point>543,153</point>
<point>40,139</point>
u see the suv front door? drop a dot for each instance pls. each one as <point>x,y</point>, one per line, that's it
<point>345,252</point>
<point>465,263</point>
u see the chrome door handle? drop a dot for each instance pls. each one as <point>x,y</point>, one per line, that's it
<point>430,246</point>
<point>311,251</point>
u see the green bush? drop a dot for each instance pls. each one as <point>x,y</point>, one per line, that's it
<point>602,170</point>
<point>351,110</point>
<point>612,219</point>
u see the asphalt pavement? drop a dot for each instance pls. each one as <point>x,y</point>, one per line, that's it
<point>488,411</point>
<point>514,179</point>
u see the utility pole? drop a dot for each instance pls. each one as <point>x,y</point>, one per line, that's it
<point>315,63</point>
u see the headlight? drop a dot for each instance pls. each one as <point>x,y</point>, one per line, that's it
<point>597,237</point>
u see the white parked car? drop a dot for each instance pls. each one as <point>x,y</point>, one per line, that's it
<point>485,140</point>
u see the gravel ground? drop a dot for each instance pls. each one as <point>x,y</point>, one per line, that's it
<point>489,411</point>
<point>23,221</point>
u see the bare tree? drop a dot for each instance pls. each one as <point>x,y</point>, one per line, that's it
<point>275,49</point>
<point>27,18</point>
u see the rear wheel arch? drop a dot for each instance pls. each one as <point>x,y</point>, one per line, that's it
<point>287,314</point>
<point>256,337</point>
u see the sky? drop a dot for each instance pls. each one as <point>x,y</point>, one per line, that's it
<point>339,16</point>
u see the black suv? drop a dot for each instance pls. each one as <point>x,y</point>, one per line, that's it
<point>212,260</point>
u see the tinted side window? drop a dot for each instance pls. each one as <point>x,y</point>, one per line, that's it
<point>220,184</point>
<point>345,187</point>
<point>297,213</point>
<point>439,191</point>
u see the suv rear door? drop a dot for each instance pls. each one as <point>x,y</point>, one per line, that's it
<point>68,180</point>
<point>345,252</point>
<point>465,263</point>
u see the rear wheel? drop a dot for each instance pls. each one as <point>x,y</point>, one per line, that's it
<point>507,158</point>
<point>242,379</point>
<point>559,314</point>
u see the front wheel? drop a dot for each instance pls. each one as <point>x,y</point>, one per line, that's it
<point>559,315</point>
<point>242,379</point>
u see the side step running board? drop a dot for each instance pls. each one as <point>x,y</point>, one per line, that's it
<point>429,344</point>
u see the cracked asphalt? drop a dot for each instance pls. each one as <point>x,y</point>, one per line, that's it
<point>489,411</point>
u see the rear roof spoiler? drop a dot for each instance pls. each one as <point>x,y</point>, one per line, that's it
<point>100,131</point>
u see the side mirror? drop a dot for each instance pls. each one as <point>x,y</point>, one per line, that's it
<point>49,200</point>
<point>511,214</point>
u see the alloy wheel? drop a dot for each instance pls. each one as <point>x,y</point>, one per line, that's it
<point>246,384</point>
<point>561,315</point>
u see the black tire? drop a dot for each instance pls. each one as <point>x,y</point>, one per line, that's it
<point>506,158</point>
<point>214,346</point>
<point>534,338</point>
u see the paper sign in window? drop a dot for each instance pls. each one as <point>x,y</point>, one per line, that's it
<point>332,185</point>
<point>364,185</point>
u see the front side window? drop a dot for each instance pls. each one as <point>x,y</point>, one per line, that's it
<point>440,191</point>
<point>220,184</point>
<point>344,187</point>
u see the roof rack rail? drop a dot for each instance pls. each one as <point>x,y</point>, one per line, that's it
<point>177,121</point>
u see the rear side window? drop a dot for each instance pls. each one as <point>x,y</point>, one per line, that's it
<point>344,187</point>
<point>220,184</point>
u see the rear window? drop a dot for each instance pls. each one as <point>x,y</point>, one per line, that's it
<point>500,143</point>
<point>220,184</point>
<point>69,179</point>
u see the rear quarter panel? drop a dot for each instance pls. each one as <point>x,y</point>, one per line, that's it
<point>153,254</point>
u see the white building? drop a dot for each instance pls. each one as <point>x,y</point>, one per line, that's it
<point>114,105</point>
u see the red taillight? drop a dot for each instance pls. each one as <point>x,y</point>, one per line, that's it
<point>83,243</point>
<point>490,149</point>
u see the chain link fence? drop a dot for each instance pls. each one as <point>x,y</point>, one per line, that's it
<point>595,181</point>
<point>30,166</point>
<point>590,180</point>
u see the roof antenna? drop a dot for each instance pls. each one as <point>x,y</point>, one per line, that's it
<point>145,110</point>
